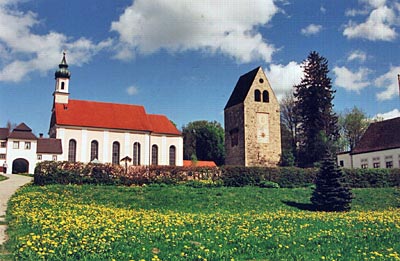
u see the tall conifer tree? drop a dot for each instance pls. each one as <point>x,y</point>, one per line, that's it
<point>318,123</point>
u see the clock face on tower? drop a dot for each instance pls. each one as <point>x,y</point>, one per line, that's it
<point>262,128</point>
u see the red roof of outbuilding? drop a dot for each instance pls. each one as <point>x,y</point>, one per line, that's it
<point>111,116</point>
<point>199,163</point>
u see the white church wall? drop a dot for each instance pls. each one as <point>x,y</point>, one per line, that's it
<point>106,138</point>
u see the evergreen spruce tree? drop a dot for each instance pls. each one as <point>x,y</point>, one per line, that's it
<point>314,108</point>
<point>330,193</point>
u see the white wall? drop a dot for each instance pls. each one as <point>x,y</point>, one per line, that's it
<point>384,156</point>
<point>21,153</point>
<point>346,159</point>
<point>126,139</point>
<point>369,158</point>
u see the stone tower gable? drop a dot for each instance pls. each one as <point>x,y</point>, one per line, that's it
<point>252,122</point>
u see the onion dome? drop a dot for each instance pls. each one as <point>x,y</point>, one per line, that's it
<point>63,71</point>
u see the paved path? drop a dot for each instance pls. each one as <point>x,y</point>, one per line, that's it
<point>7,189</point>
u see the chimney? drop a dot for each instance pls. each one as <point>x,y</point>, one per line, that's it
<point>40,135</point>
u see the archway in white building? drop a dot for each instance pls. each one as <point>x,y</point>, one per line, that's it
<point>20,166</point>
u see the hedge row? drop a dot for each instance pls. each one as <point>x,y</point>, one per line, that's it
<point>49,172</point>
<point>56,172</point>
<point>289,177</point>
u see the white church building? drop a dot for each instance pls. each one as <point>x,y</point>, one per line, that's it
<point>91,131</point>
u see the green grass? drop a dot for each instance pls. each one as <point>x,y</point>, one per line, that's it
<point>184,223</point>
<point>3,178</point>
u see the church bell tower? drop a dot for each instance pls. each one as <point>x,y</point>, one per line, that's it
<point>62,76</point>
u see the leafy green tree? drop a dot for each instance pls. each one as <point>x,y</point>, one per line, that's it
<point>289,127</point>
<point>330,193</point>
<point>353,124</point>
<point>204,140</point>
<point>313,105</point>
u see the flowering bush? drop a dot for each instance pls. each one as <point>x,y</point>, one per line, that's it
<point>50,172</point>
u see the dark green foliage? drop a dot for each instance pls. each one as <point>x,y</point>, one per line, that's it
<point>287,159</point>
<point>353,124</point>
<point>48,172</point>
<point>330,193</point>
<point>288,177</point>
<point>289,130</point>
<point>268,184</point>
<point>205,141</point>
<point>317,121</point>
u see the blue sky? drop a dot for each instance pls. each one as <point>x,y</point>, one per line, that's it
<point>183,58</point>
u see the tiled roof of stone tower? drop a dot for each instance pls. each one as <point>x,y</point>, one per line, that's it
<point>242,87</point>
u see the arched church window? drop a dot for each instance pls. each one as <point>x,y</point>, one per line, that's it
<point>154,155</point>
<point>94,150</point>
<point>62,85</point>
<point>172,156</point>
<point>265,96</point>
<point>72,150</point>
<point>257,95</point>
<point>136,153</point>
<point>115,153</point>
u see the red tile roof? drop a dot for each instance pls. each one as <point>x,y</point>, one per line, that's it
<point>381,135</point>
<point>199,163</point>
<point>111,116</point>
<point>49,146</point>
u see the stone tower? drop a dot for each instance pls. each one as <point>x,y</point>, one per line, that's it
<point>252,122</point>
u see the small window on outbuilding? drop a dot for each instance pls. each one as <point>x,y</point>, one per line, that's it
<point>265,96</point>
<point>257,95</point>
<point>389,164</point>
<point>341,163</point>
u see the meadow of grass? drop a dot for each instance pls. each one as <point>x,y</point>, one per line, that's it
<point>3,178</point>
<point>184,223</point>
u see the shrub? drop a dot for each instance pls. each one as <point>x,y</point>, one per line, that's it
<point>49,172</point>
<point>268,184</point>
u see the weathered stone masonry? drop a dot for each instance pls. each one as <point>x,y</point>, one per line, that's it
<point>252,122</point>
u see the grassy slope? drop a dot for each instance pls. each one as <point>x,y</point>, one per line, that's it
<point>224,199</point>
<point>245,223</point>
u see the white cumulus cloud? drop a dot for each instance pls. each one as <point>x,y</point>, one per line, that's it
<point>389,82</point>
<point>357,55</point>
<point>23,51</point>
<point>132,90</point>
<point>388,115</point>
<point>227,27</point>
<point>351,81</point>
<point>283,77</point>
<point>311,29</point>
<point>379,25</point>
